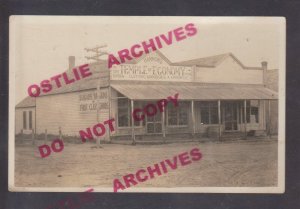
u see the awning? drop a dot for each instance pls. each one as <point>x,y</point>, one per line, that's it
<point>195,92</point>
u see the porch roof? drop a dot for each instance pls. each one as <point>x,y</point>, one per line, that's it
<point>195,91</point>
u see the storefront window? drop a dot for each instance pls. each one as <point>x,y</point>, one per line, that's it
<point>178,116</point>
<point>252,111</point>
<point>183,116</point>
<point>209,112</point>
<point>123,112</point>
<point>214,114</point>
<point>204,115</point>
<point>172,116</point>
<point>140,105</point>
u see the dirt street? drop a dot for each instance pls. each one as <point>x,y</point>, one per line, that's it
<point>235,163</point>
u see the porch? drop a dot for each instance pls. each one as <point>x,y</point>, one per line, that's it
<point>240,112</point>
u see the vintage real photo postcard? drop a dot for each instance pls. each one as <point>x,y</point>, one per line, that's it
<point>147,104</point>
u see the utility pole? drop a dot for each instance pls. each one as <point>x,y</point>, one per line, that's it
<point>98,50</point>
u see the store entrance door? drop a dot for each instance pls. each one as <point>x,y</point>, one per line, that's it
<point>154,123</point>
<point>230,116</point>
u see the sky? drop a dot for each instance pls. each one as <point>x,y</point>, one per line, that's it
<point>40,45</point>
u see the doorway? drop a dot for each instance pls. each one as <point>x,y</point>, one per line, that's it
<point>230,115</point>
<point>154,123</point>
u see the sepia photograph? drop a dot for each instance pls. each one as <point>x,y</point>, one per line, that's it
<point>147,104</point>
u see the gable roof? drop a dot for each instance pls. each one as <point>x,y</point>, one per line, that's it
<point>84,84</point>
<point>213,61</point>
<point>27,102</point>
<point>161,55</point>
<point>100,69</point>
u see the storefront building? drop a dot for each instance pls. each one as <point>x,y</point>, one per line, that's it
<point>217,95</point>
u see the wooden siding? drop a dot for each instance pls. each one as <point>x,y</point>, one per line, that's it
<point>229,71</point>
<point>62,110</point>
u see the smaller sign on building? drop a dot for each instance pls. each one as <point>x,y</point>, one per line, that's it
<point>89,101</point>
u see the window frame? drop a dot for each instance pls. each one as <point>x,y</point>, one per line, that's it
<point>30,120</point>
<point>209,106</point>
<point>249,111</point>
<point>128,112</point>
<point>142,123</point>
<point>24,120</point>
<point>177,114</point>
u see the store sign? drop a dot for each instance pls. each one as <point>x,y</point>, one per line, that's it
<point>151,72</point>
<point>89,101</point>
<point>152,68</point>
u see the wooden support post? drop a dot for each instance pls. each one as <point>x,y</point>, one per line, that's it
<point>219,118</point>
<point>98,141</point>
<point>109,111</point>
<point>132,124</point>
<point>193,117</point>
<point>46,135</point>
<point>109,104</point>
<point>35,115</point>
<point>264,116</point>
<point>32,136</point>
<point>269,118</point>
<point>245,118</point>
<point>59,132</point>
<point>163,124</point>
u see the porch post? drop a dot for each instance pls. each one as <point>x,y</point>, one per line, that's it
<point>132,123</point>
<point>269,118</point>
<point>109,103</point>
<point>163,123</point>
<point>219,118</point>
<point>193,117</point>
<point>32,136</point>
<point>245,118</point>
<point>264,115</point>
<point>109,110</point>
